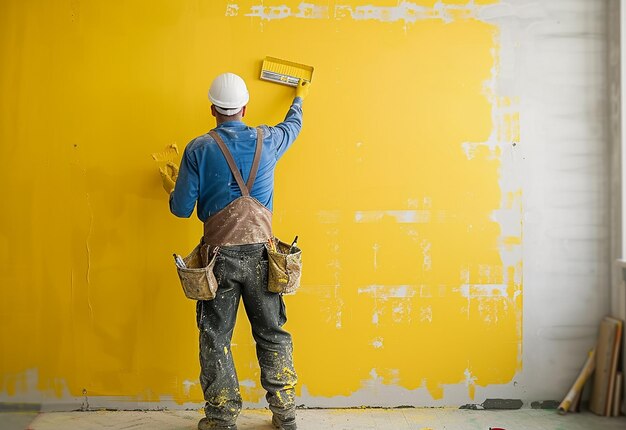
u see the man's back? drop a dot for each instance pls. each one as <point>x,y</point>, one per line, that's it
<point>206,178</point>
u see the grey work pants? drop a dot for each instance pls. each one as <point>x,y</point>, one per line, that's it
<point>241,272</point>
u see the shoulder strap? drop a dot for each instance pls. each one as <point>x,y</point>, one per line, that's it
<point>231,162</point>
<point>245,188</point>
<point>257,158</point>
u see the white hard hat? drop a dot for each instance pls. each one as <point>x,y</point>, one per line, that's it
<point>228,93</point>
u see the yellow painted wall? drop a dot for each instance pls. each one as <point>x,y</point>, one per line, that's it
<point>391,186</point>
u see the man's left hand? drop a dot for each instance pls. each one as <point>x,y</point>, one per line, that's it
<point>169,174</point>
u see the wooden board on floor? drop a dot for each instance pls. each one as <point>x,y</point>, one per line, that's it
<point>607,353</point>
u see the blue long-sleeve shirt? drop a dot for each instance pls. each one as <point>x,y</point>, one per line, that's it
<point>205,177</point>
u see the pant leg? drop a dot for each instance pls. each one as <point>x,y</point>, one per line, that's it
<point>266,312</point>
<point>216,322</point>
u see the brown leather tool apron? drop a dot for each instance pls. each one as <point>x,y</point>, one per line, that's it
<point>244,220</point>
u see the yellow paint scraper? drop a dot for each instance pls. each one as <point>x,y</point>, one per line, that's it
<point>285,72</point>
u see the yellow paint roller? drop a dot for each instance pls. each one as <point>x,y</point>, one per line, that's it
<point>285,72</point>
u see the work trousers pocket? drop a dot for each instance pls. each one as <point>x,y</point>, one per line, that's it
<point>197,278</point>
<point>285,267</point>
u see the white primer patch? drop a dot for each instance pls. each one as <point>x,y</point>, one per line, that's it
<point>304,11</point>
<point>401,217</point>
<point>389,291</point>
<point>470,148</point>
<point>473,291</point>
<point>187,384</point>
<point>428,260</point>
<point>398,313</point>
<point>426,314</point>
<point>425,291</point>
<point>328,217</point>
<point>232,9</point>
<point>469,379</point>
<point>374,374</point>
<point>407,12</point>
<point>376,248</point>
<point>248,383</point>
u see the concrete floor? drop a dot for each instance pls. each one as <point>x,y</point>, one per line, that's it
<point>318,419</point>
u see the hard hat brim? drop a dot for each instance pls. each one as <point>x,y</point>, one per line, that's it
<point>228,112</point>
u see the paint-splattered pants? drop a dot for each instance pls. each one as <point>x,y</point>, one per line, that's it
<point>241,272</point>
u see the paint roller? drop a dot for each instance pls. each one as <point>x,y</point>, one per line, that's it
<point>285,72</point>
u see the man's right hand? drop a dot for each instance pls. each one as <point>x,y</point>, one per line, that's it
<point>302,90</point>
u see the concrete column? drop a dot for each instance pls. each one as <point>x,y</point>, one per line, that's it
<point>617,119</point>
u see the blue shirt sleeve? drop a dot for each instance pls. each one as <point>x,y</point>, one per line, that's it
<point>285,133</point>
<point>183,198</point>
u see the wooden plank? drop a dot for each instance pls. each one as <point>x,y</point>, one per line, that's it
<point>615,350</point>
<point>604,353</point>
<point>617,400</point>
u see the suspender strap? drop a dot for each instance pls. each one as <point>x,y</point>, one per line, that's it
<point>231,162</point>
<point>245,188</point>
<point>257,158</point>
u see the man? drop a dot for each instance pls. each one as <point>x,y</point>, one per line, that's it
<point>229,172</point>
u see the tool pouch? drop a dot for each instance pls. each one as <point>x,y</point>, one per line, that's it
<point>198,279</point>
<point>285,268</point>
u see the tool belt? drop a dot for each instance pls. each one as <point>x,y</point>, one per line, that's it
<point>199,281</point>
